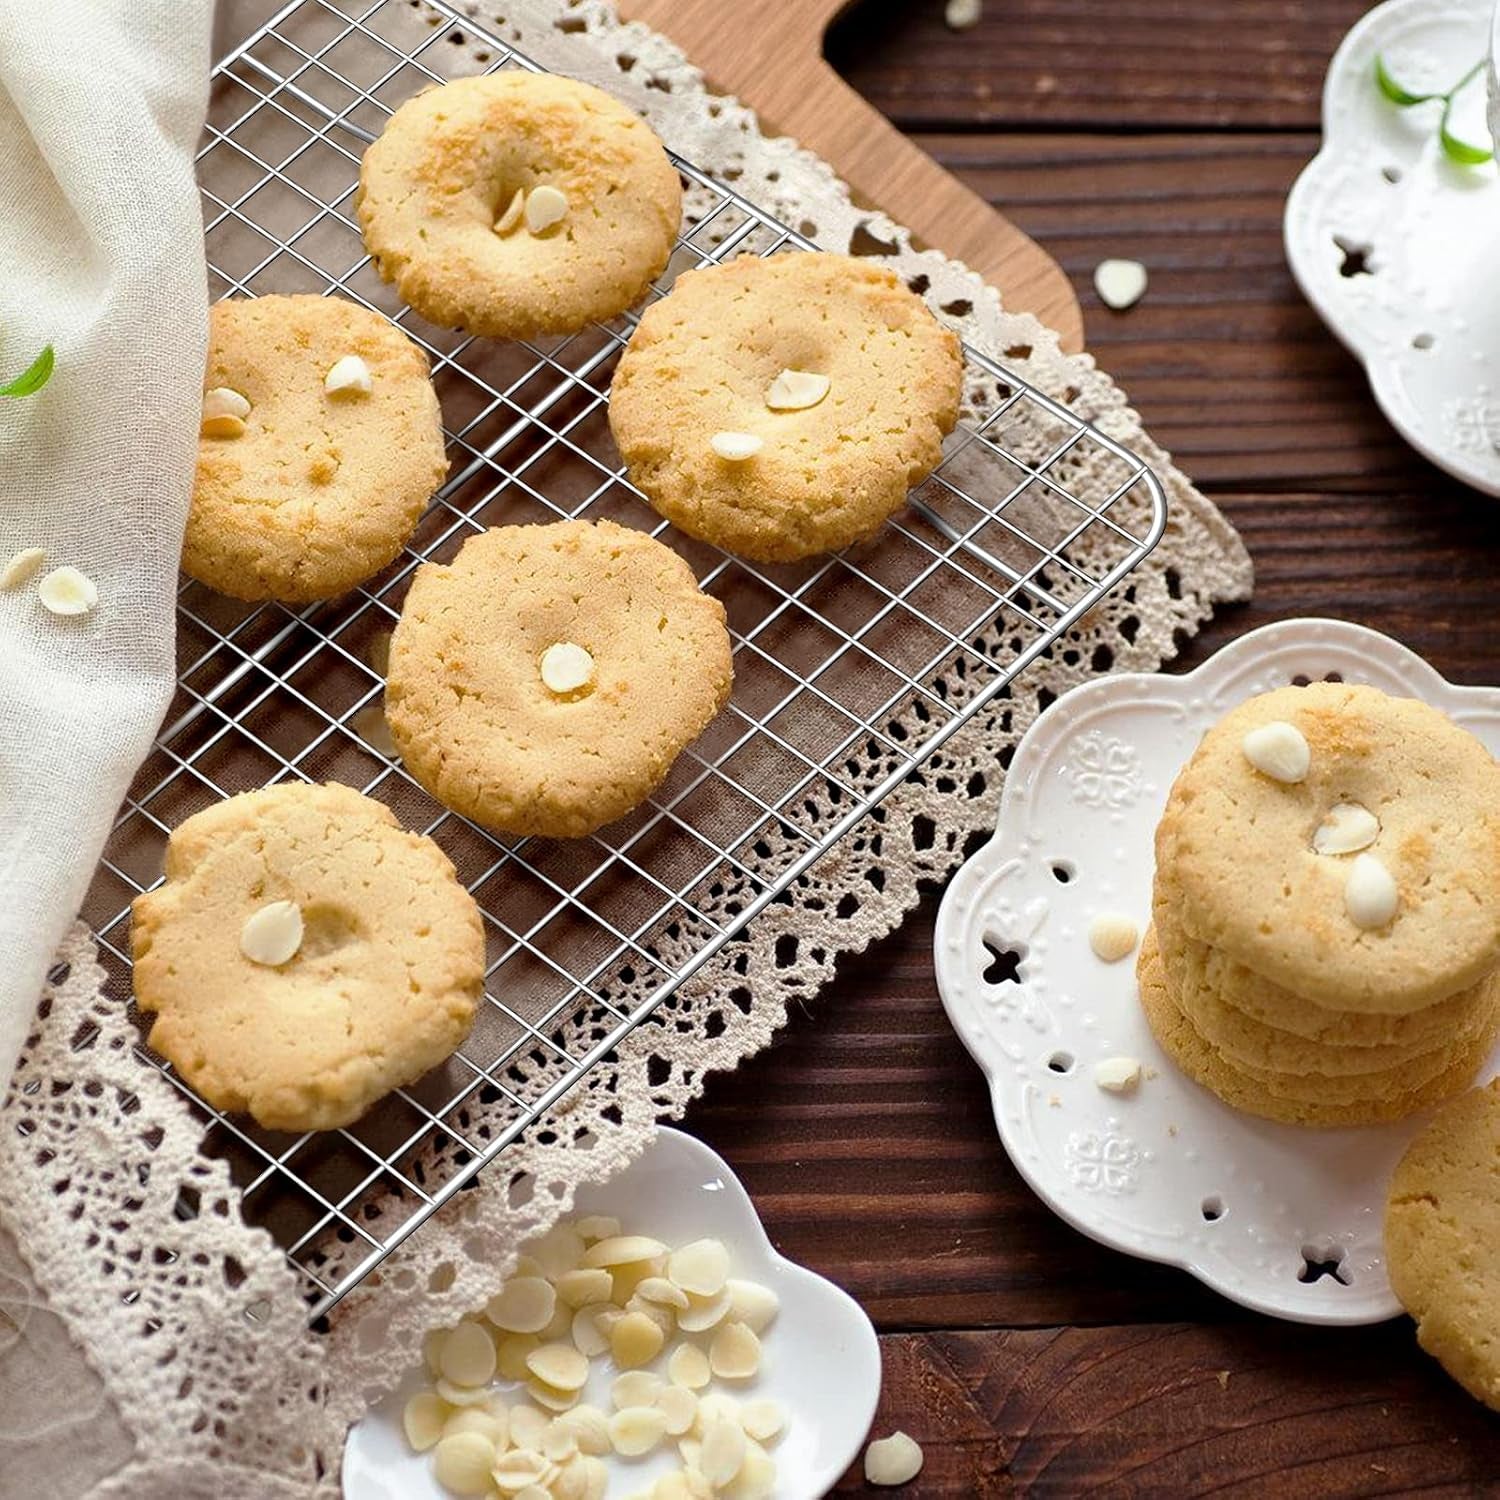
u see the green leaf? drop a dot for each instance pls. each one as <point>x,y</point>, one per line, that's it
<point>1394,91</point>
<point>34,378</point>
<point>1461,151</point>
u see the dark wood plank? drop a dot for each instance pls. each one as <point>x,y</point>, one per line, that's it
<point>1247,1410</point>
<point>1230,367</point>
<point>1244,64</point>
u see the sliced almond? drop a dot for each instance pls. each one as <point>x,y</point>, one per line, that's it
<point>271,936</point>
<point>752,1304</point>
<point>510,217</point>
<point>1371,896</point>
<point>584,1287</point>
<point>629,1276</point>
<point>636,1430</point>
<point>763,1419</point>
<point>477,1419</point>
<point>1118,1075</point>
<point>462,1463</point>
<point>525,1304</point>
<point>1113,937</point>
<point>22,567</point>
<point>557,1251</point>
<point>468,1356</point>
<point>703,1313</point>
<point>566,669</point>
<point>722,1453</point>
<point>659,1289</point>
<point>623,1250</point>
<point>546,206</point>
<point>635,1388</point>
<point>688,1367</point>
<point>734,1353</point>
<point>422,1420</point>
<point>559,1442</point>
<point>635,1340</point>
<point>680,1407</point>
<point>349,376</point>
<point>461,1395</point>
<point>224,413</point>
<point>962,15</point>
<point>560,1365</point>
<point>1278,750</point>
<point>589,1426</point>
<point>553,1397</point>
<point>513,1471</point>
<point>1346,829</point>
<point>1120,283</point>
<point>757,1477</point>
<point>892,1460</point>
<point>736,447</point>
<point>701,1268</point>
<point>588,1336</point>
<point>796,390</point>
<point>68,591</point>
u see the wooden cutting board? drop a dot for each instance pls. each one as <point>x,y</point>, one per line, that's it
<point>770,54</point>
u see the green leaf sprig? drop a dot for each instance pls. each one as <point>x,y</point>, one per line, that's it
<point>34,377</point>
<point>1454,149</point>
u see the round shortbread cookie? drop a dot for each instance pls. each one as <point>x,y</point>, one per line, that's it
<point>1442,1239</point>
<point>1240,848</point>
<point>319,491</point>
<point>382,988</point>
<point>438,205</point>
<point>472,715</point>
<point>703,361</point>
<point>1185,1045</point>
<point>1252,1019</point>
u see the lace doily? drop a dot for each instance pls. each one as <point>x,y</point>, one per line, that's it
<point>197,1374</point>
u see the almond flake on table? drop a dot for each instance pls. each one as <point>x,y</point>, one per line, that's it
<point>962,15</point>
<point>22,568</point>
<point>1112,937</point>
<point>1118,1075</point>
<point>67,591</point>
<point>892,1460</point>
<point>1120,283</point>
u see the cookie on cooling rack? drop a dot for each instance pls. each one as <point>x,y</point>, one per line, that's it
<point>1442,1239</point>
<point>518,203</point>
<point>321,445</point>
<point>306,955</point>
<point>544,681</point>
<point>782,407</point>
<point>1404,913</point>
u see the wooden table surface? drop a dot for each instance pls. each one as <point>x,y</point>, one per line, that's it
<point>1022,1356</point>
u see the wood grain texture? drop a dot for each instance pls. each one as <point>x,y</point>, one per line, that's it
<point>1245,1411</point>
<point>1095,64</point>
<point>770,54</point>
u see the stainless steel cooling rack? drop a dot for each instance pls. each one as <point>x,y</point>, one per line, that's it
<point>836,659</point>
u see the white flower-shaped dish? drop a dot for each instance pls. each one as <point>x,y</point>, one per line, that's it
<point>821,1357</point>
<point>1394,245</point>
<point>1170,1173</point>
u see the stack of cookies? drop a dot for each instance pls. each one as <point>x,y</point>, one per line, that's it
<point>1326,912</point>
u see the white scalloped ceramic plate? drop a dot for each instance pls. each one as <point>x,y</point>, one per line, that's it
<point>822,1359</point>
<point>1425,319</point>
<point>1169,1173</point>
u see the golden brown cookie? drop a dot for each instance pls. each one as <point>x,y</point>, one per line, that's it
<point>302,492</point>
<point>1442,1239</point>
<point>544,681</point>
<point>1251,1018</point>
<point>1240,846</point>
<point>703,380</point>
<point>518,203</point>
<point>381,985</point>
<point>1330,1106</point>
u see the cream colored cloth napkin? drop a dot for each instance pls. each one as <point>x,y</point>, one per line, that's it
<point>101,255</point>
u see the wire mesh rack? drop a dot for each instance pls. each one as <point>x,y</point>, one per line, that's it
<point>995,559</point>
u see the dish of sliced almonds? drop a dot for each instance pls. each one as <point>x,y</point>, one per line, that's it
<point>589,1293</point>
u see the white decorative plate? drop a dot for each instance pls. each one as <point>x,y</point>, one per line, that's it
<point>822,1360</point>
<point>1169,1173</point>
<point>1395,246</point>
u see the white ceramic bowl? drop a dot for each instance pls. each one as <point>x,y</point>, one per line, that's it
<point>1170,1173</point>
<point>821,1357</point>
